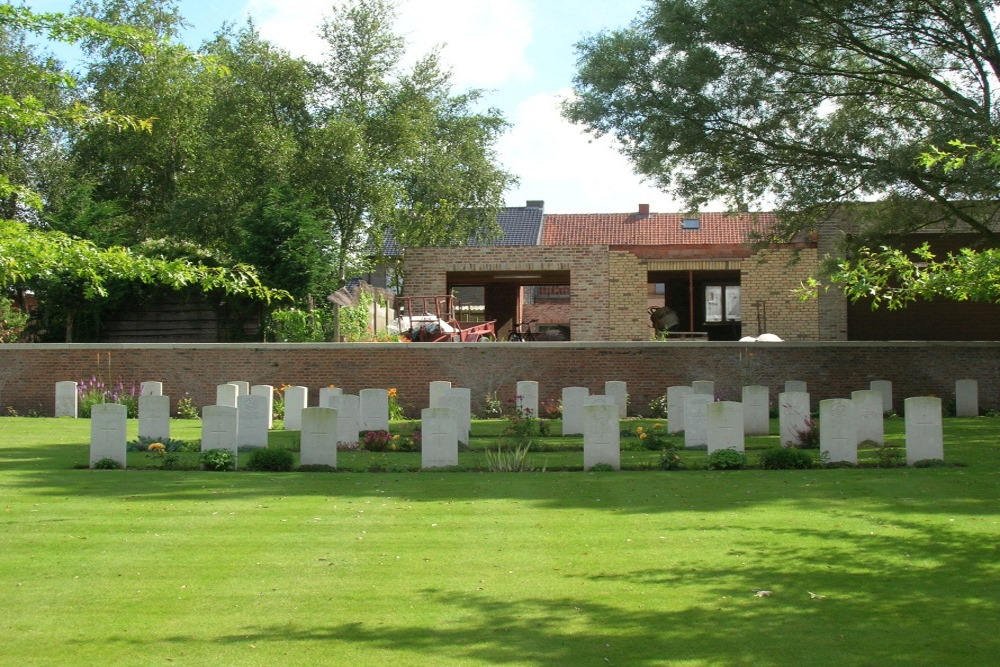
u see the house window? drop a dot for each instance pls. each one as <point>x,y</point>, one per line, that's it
<point>690,223</point>
<point>722,303</point>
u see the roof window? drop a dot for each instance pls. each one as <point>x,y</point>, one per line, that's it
<point>690,223</point>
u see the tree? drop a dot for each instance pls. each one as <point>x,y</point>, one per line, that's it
<point>804,103</point>
<point>396,152</point>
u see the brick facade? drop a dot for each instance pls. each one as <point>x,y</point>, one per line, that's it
<point>768,281</point>
<point>28,373</point>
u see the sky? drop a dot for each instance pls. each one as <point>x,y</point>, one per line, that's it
<point>520,52</point>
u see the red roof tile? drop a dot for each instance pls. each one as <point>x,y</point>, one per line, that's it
<point>563,229</point>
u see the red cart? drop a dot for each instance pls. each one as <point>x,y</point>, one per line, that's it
<point>431,319</point>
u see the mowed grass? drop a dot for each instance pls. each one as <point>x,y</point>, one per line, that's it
<point>865,566</point>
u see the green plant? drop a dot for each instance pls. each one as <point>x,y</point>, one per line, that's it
<point>887,455</point>
<point>269,459</point>
<point>492,407</point>
<point>520,425</point>
<point>396,411</point>
<point>143,443</point>
<point>12,321</point>
<point>929,463</point>
<point>550,409</point>
<point>278,404</point>
<point>602,467</point>
<point>217,459</point>
<point>726,459</point>
<point>508,460</point>
<point>295,325</point>
<point>186,409</point>
<point>670,459</point>
<point>785,458</point>
<point>106,464</point>
<point>376,441</point>
<point>316,467</point>
<point>658,407</point>
<point>807,437</point>
<point>653,438</point>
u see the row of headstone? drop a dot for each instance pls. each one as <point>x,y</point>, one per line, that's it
<point>841,421</point>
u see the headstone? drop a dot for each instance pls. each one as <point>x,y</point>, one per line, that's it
<point>796,387</point>
<point>267,392</point>
<point>374,409</point>
<point>66,399</point>
<point>296,400</point>
<point>154,417</point>
<point>348,409</point>
<point>618,390</point>
<point>219,427</point>
<point>107,432</point>
<point>252,421</point>
<point>601,435</point>
<point>242,387</point>
<point>526,397</point>
<point>225,394</point>
<point>724,425</point>
<point>838,432</point>
<point>599,399</point>
<point>438,438</point>
<point>884,387</point>
<point>459,400</point>
<point>793,416</point>
<point>319,437</point>
<point>966,398</point>
<point>675,407</point>
<point>151,388</point>
<point>868,411</point>
<point>696,419</point>
<point>924,432</point>
<point>704,387</point>
<point>435,390</point>
<point>327,394</point>
<point>756,410</point>
<point>572,409</point>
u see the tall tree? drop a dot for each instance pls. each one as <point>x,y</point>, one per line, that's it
<point>393,151</point>
<point>804,103</point>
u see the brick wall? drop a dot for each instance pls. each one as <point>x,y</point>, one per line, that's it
<point>771,276</point>
<point>28,373</point>
<point>627,288</point>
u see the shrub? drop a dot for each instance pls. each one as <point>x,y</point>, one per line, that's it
<point>142,443</point>
<point>658,407</point>
<point>508,460</point>
<point>601,467</point>
<point>785,458</point>
<point>807,437</point>
<point>106,464</point>
<point>376,441</point>
<point>316,467</point>
<point>550,409</point>
<point>929,463</point>
<point>264,459</point>
<point>186,409</point>
<point>670,459</point>
<point>726,459</point>
<point>888,456</point>
<point>217,459</point>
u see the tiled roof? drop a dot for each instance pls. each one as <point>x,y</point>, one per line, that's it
<point>519,225</point>
<point>562,229</point>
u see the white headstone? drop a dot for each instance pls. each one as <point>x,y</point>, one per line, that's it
<point>756,410</point>
<point>793,416</point>
<point>884,387</point>
<point>618,390</point>
<point>966,398</point>
<point>348,409</point>
<point>924,432</point>
<point>675,407</point>
<point>242,387</point>
<point>327,394</point>
<point>459,400</point>
<point>66,399</point>
<point>151,388</point>
<point>296,400</point>
<point>252,421</point>
<point>319,437</point>
<point>601,435</point>
<point>219,427</point>
<point>868,411</point>
<point>724,426</point>
<point>704,387</point>
<point>107,432</point>
<point>225,394</point>
<point>267,392</point>
<point>599,399</point>
<point>154,417</point>
<point>438,439</point>
<point>436,390</point>
<point>696,419</point>
<point>838,430</point>
<point>526,397</point>
<point>572,409</point>
<point>796,387</point>
<point>374,409</point>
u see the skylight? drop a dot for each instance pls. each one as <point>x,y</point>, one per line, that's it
<point>690,223</point>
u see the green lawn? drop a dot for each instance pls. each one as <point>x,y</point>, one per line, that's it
<point>467,568</point>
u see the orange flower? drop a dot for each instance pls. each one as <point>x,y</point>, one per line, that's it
<point>642,436</point>
<point>392,392</point>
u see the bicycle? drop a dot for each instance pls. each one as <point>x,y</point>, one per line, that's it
<point>522,332</point>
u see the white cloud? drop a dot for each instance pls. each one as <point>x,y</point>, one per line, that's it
<point>484,41</point>
<point>570,170</point>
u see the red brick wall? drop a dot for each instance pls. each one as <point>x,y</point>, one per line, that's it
<point>28,373</point>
